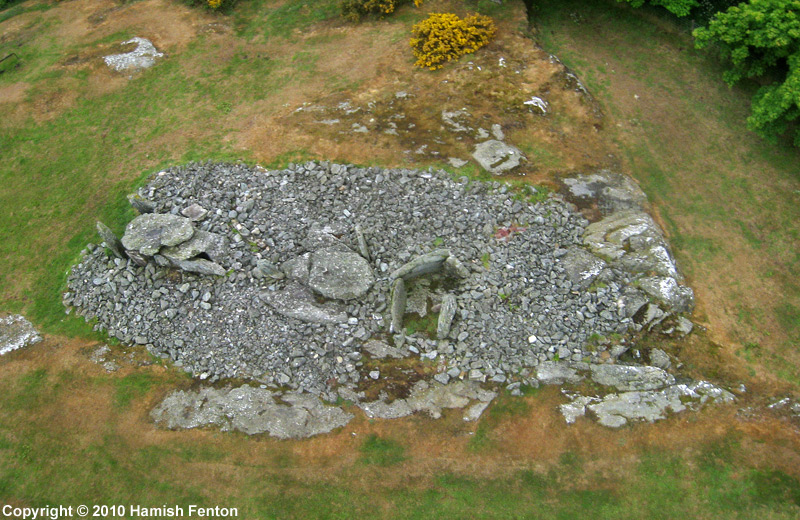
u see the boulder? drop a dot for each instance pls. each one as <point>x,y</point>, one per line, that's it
<point>339,275</point>
<point>298,268</point>
<point>557,373</point>
<point>378,349</point>
<point>265,268</point>
<point>148,233</point>
<point>497,157</point>
<point>678,298</point>
<point>140,204</point>
<point>195,212</point>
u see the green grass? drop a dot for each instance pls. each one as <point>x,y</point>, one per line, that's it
<point>131,387</point>
<point>376,451</point>
<point>726,197</point>
<point>256,19</point>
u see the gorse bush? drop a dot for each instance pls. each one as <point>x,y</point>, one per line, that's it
<point>213,4</point>
<point>355,10</point>
<point>444,36</point>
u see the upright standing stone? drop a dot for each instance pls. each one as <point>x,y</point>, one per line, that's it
<point>446,314</point>
<point>398,305</point>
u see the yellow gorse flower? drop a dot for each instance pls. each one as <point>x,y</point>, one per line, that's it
<point>443,37</point>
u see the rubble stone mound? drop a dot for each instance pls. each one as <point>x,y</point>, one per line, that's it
<point>283,277</point>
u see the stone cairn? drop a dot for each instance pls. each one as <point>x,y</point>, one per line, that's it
<point>294,278</point>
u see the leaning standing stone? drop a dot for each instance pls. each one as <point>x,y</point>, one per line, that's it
<point>111,240</point>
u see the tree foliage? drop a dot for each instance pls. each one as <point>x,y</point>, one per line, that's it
<point>676,7</point>
<point>761,39</point>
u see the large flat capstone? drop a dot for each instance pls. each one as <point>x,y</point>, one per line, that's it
<point>339,275</point>
<point>148,233</point>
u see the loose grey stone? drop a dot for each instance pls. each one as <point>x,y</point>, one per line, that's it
<point>195,212</point>
<point>660,359</point>
<point>684,326</point>
<point>363,249</point>
<point>453,268</point>
<point>140,204</point>
<point>497,132</point>
<point>201,266</point>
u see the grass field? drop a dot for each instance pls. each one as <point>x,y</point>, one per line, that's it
<point>76,138</point>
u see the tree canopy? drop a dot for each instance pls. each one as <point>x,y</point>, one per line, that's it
<point>761,39</point>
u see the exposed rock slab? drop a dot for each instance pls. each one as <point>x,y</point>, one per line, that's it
<point>16,332</point>
<point>582,267</point>
<point>251,411</point>
<point>628,377</point>
<point>142,57</point>
<point>148,233</point>
<point>613,191</point>
<point>557,373</point>
<point>295,301</point>
<point>432,400</point>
